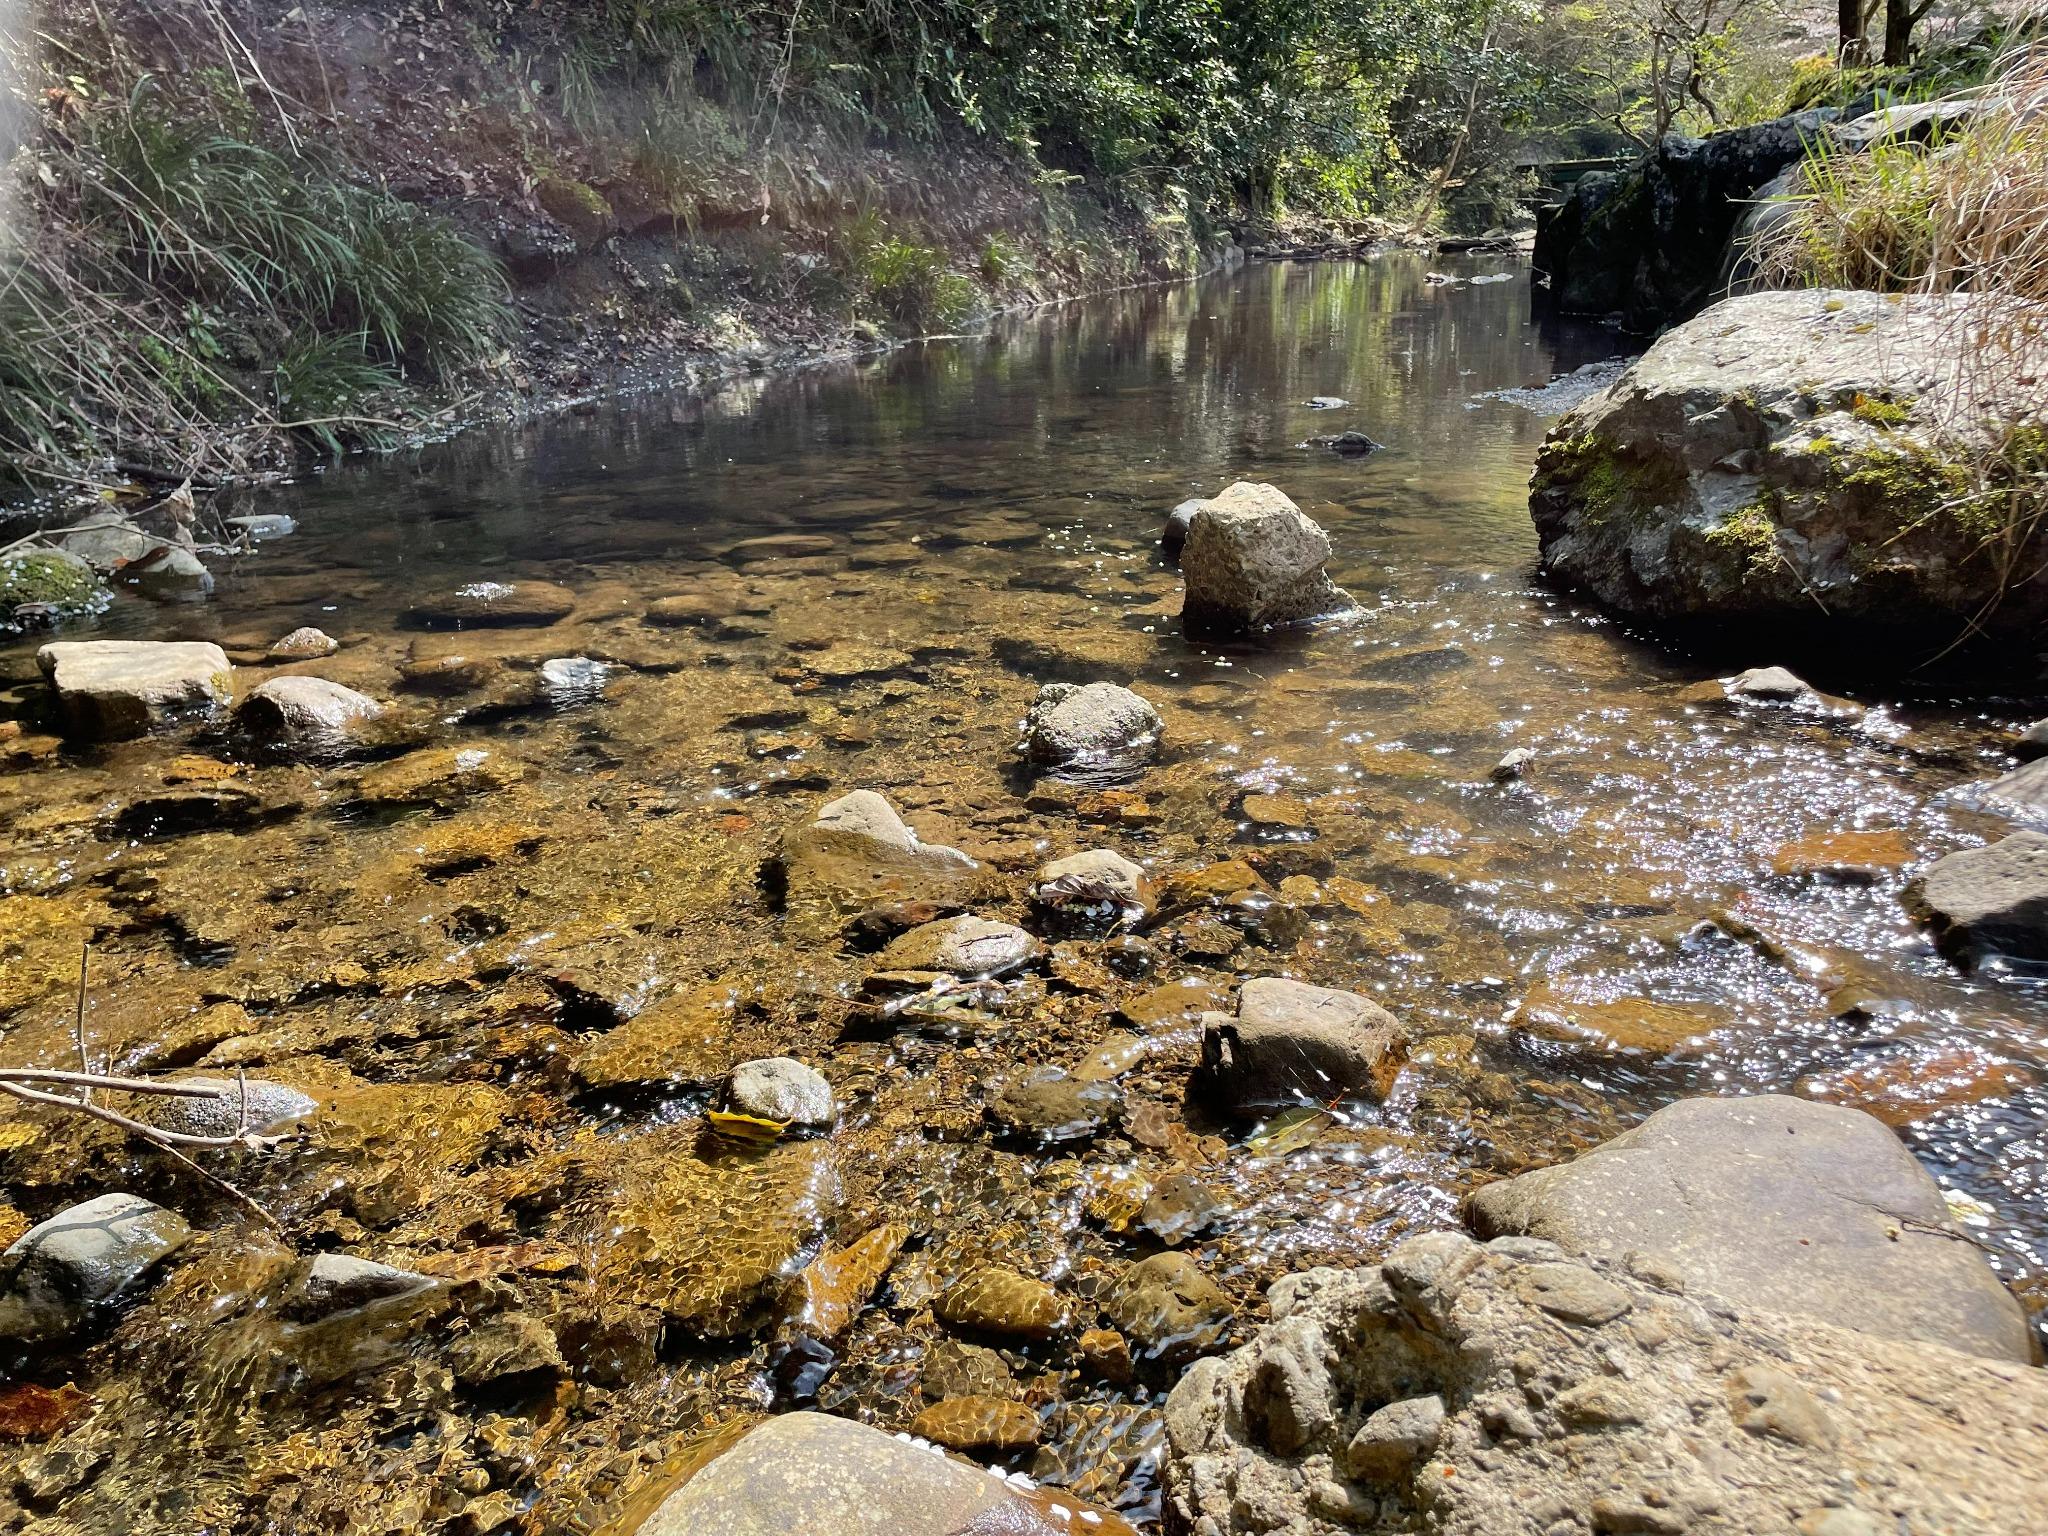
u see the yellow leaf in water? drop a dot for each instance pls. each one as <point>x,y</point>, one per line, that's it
<point>748,1128</point>
<point>1289,1131</point>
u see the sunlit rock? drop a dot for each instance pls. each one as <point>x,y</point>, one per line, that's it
<point>1289,1042</point>
<point>1778,1204</point>
<point>1988,902</point>
<point>1253,560</point>
<point>812,1473</point>
<point>54,1277</point>
<point>1090,729</point>
<point>114,688</point>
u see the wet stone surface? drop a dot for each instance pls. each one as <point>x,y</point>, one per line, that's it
<point>514,954</point>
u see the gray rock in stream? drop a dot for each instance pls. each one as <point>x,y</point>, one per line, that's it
<point>1988,902</point>
<point>781,1088</point>
<point>1253,560</point>
<point>1290,1043</point>
<point>1778,1204</point>
<point>59,1272</point>
<point>304,717</point>
<point>109,689</point>
<point>1091,728</point>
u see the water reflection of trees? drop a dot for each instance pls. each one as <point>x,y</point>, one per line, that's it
<point>1126,401</point>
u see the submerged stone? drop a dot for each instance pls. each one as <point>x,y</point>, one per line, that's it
<point>494,604</point>
<point>250,1105</point>
<point>57,1273</point>
<point>340,1282</point>
<point>857,853</point>
<point>1169,1308</point>
<point>999,1301</point>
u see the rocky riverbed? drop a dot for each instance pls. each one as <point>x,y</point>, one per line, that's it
<point>700,969</point>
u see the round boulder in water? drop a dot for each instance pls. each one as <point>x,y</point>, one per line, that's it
<point>781,1088</point>
<point>1091,728</point>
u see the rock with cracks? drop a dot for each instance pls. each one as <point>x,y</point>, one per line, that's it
<point>1780,1205</point>
<point>1506,1389</point>
<point>61,1271</point>
<point>1254,560</point>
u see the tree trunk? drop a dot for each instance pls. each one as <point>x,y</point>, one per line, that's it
<point>1899,16</point>
<point>1854,49</point>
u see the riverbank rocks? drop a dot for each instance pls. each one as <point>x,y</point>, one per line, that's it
<point>1649,242</point>
<point>494,605</point>
<point>1290,1043</point>
<point>779,1088</point>
<point>1002,1303</point>
<point>1094,890</point>
<point>1505,1390</point>
<point>1789,460</point>
<point>110,689</point>
<point>968,947</point>
<point>856,853</point>
<point>1986,902</point>
<point>1254,560</point>
<point>809,1474</point>
<point>303,717</point>
<point>1780,1205</point>
<point>58,1273</point>
<point>1090,729</point>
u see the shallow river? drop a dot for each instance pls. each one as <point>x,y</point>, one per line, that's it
<point>513,987</point>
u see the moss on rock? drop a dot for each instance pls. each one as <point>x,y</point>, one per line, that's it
<point>46,577</point>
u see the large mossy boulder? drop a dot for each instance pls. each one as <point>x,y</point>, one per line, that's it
<point>1803,464</point>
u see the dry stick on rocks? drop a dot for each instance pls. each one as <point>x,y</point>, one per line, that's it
<point>33,1085</point>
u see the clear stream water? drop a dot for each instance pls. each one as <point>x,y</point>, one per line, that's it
<point>1647,915</point>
